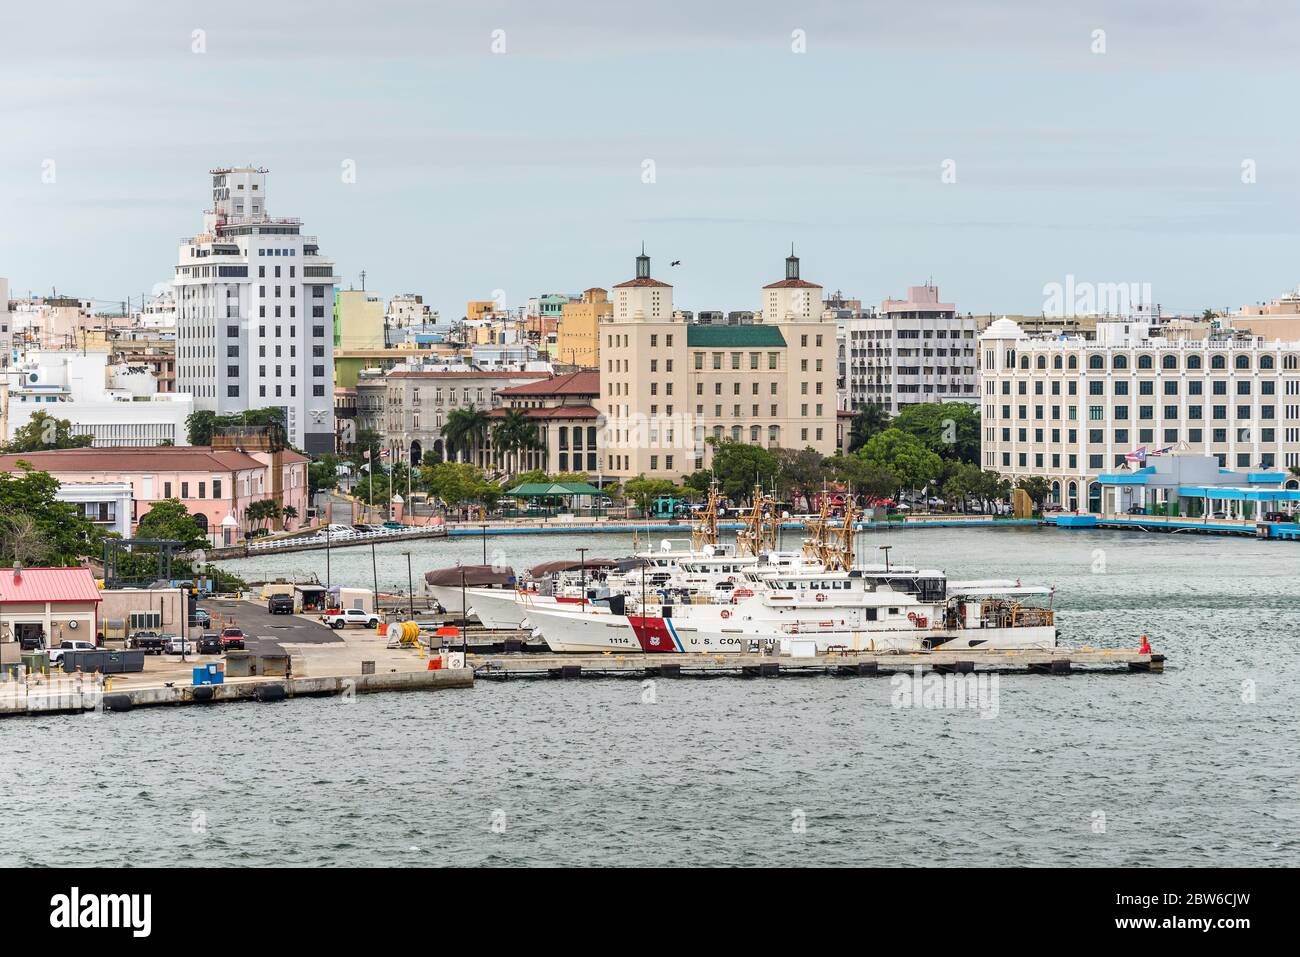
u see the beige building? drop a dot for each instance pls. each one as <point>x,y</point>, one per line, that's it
<point>417,403</point>
<point>1279,319</point>
<point>358,320</point>
<point>668,385</point>
<point>578,336</point>
<point>561,409</point>
<point>1070,410</point>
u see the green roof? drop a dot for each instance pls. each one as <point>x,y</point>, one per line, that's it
<point>738,337</point>
<point>535,489</point>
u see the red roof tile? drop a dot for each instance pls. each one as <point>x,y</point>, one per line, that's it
<point>48,584</point>
<point>181,458</point>
<point>553,412</point>
<point>642,281</point>
<point>573,383</point>
<point>792,284</point>
<point>492,374</point>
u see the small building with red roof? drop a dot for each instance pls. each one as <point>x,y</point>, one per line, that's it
<point>52,604</point>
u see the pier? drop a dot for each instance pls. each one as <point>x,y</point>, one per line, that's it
<point>1056,661</point>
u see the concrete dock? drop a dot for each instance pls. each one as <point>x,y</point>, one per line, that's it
<point>1057,661</point>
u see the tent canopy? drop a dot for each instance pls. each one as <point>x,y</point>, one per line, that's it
<point>558,489</point>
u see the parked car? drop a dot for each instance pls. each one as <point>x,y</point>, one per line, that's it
<point>1137,510</point>
<point>150,642</point>
<point>1278,517</point>
<point>32,643</point>
<point>280,605</point>
<point>176,645</point>
<point>1219,515</point>
<point>209,643</point>
<point>351,616</point>
<point>202,619</point>
<point>232,637</point>
<point>56,654</point>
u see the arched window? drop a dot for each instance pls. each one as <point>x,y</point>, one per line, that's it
<point>1169,361</point>
<point>1266,362</point>
<point>1056,362</point>
<point>1042,362</point>
<point>1074,362</point>
<point>1096,362</point>
<point>1145,362</point>
<point>1120,362</point>
<point>1242,362</point>
<point>1218,362</point>
<point>1290,362</point>
<point>1024,362</point>
<point>1193,362</point>
<point>753,434</point>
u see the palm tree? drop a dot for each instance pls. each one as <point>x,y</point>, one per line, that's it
<point>868,421</point>
<point>465,430</point>
<point>513,434</point>
<point>289,513</point>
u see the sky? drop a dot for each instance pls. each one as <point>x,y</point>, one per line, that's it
<point>993,147</point>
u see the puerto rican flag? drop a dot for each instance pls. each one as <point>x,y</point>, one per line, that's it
<point>1165,451</point>
<point>383,453</point>
<point>1137,455</point>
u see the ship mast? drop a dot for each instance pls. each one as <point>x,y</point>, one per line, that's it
<point>750,539</point>
<point>705,530</point>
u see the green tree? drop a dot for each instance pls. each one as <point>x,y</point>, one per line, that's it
<point>261,512</point>
<point>861,477</point>
<point>739,466</point>
<point>643,491</point>
<point>697,483</point>
<point>200,425</point>
<point>290,514</point>
<point>43,432</point>
<point>169,518</point>
<point>905,456</point>
<point>323,475</point>
<point>458,483</point>
<point>869,420</point>
<point>531,477</point>
<point>513,435</point>
<point>802,473</point>
<point>34,525</point>
<point>465,431</point>
<point>1037,488</point>
<point>950,430</point>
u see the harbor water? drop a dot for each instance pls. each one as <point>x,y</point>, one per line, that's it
<point>1195,767</point>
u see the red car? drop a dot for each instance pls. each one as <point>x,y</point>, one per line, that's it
<point>232,637</point>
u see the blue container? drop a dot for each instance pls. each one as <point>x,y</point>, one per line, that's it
<point>215,675</point>
<point>201,676</point>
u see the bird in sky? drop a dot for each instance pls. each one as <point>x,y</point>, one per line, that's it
<point>675,262</point>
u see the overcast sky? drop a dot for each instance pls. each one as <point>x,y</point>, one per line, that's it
<point>523,170</point>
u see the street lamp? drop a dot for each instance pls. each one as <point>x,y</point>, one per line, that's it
<point>410,586</point>
<point>582,560</point>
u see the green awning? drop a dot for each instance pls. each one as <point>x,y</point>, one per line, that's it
<point>748,336</point>
<point>559,489</point>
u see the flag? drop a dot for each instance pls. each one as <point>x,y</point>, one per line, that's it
<point>1137,455</point>
<point>1165,451</point>
<point>383,453</point>
<point>366,454</point>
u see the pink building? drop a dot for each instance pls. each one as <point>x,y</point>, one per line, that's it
<point>213,484</point>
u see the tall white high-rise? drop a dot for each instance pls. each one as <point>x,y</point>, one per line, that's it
<point>254,313</point>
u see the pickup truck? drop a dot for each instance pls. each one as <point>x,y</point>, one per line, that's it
<point>209,644</point>
<point>56,654</point>
<point>351,616</point>
<point>150,642</point>
<point>280,605</point>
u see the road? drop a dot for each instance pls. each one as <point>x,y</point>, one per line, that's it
<point>260,625</point>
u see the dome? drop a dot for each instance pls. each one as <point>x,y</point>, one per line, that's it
<point>1004,328</point>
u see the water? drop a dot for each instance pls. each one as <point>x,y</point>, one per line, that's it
<point>1172,769</point>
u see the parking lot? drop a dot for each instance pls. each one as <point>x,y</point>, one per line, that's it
<point>260,625</point>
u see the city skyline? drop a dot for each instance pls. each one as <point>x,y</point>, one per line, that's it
<point>477,171</point>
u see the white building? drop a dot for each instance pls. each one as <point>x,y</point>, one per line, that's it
<point>109,505</point>
<point>6,326</point>
<point>118,404</point>
<point>254,313</point>
<point>913,350</point>
<point>1069,409</point>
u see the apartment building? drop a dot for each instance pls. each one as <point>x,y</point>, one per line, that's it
<point>912,350</point>
<point>1072,409</point>
<point>577,341</point>
<point>254,300</point>
<point>668,385</point>
<point>358,320</point>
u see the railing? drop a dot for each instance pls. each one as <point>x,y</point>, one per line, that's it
<point>341,538</point>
